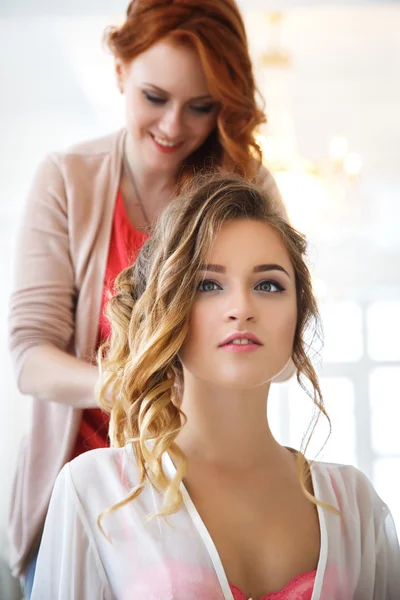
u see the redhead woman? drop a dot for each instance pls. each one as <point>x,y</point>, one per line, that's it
<point>196,498</point>
<point>190,105</point>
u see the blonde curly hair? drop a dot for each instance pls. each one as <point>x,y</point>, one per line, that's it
<point>141,374</point>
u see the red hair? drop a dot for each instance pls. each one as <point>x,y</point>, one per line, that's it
<point>216,30</point>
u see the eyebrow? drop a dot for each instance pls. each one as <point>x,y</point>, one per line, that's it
<point>161,91</point>
<point>256,269</point>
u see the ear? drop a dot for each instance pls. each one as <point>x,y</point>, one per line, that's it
<point>119,72</point>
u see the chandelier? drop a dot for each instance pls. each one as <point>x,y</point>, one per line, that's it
<point>312,190</point>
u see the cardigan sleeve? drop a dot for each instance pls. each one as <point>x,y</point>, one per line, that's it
<point>43,297</point>
<point>69,566</point>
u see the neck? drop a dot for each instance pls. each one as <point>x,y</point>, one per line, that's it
<point>225,427</point>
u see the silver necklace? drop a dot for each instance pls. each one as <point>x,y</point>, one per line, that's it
<point>139,199</point>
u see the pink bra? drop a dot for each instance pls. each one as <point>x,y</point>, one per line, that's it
<point>302,585</point>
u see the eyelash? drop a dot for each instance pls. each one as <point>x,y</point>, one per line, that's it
<point>279,287</point>
<point>198,109</point>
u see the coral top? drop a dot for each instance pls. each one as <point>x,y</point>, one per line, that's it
<point>125,243</point>
<point>299,588</point>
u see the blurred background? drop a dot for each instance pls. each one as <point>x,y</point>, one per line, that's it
<point>330,74</point>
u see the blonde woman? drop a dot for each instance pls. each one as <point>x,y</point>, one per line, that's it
<point>196,499</point>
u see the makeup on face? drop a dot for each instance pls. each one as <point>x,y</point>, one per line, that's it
<point>244,315</point>
<point>169,109</point>
<point>201,105</point>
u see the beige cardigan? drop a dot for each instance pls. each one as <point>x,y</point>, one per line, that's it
<point>61,258</point>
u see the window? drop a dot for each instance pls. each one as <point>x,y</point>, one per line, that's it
<point>342,321</point>
<point>360,383</point>
<point>383,327</point>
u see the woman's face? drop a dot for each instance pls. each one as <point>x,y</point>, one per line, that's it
<point>246,292</point>
<point>169,109</point>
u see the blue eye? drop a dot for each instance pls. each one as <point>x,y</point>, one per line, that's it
<point>269,286</point>
<point>208,286</point>
<point>154,99</point>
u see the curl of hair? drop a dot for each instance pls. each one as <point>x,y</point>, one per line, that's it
<point>149,313</point>
<point>210,26</point>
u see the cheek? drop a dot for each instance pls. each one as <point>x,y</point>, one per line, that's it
<point>282,324</point>
<point>288,327</point>
<point>202,128</point>
<point>200,335</point>
<point>138,113</point>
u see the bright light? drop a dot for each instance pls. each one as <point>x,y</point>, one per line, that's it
<point>352,164</point>
<point>304,195</point>
<point>267,144</point>
<point>338,148</point>
<point>320,288</point>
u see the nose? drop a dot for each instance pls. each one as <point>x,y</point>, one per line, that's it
<point>240,308</point>
<point>171,123</point>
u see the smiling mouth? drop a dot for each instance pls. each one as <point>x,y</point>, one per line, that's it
<point>166,143</point>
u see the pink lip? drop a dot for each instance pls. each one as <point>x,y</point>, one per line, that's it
<point>237,348</point>
<point>166,149</point>
<point>240,335</point>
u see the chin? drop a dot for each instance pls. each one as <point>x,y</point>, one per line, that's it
<point>242,383</point>
<point>251,381</point>
<point>155,163</point>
